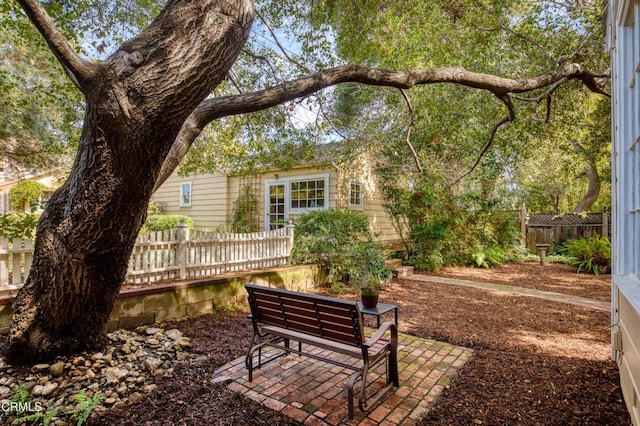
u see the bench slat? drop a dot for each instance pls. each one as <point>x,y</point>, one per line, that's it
<point>316,341</point>
<point>273,319</point>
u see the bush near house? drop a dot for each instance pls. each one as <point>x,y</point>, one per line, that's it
<point>338,240</point>
<point>446,228</point>
<point>164,222</point>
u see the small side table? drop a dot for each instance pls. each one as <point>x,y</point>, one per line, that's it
<point>378,311</point>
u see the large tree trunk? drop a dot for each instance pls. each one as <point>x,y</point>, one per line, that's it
<point>593,191</point>
<point>137,102</point>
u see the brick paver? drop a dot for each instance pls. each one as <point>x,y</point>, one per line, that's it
<point>315,392</point>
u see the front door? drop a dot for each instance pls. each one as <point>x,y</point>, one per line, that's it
<point>276,212</point>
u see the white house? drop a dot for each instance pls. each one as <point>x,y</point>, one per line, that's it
<point>623,43</point>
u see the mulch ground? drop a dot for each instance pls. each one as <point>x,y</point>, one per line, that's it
<point>536,362</point>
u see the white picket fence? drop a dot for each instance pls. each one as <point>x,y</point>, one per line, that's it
<point>16,256</point>
<point>175,254</point>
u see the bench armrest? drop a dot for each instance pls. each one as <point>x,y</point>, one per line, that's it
<point>381,332</point>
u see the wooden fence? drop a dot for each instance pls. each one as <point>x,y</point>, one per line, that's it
<point>16,256</point>
<point>549,230</point>
<point>174,254</point>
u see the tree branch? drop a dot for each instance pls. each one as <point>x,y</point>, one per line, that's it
<point>484,150</point>
<point>214,108</point>
<point>280,46</point>
<point>591,173</point>
<point>188,133</point>
<point>79,70</point>
<point>407,138</point>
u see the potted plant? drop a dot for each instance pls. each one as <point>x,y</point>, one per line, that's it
<point>367,273</point>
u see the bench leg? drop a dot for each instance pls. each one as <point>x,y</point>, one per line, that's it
<point>252,349</point>
<point>350,386</point>
<point>287,345</point>
<point>391,364</point>
<point>392,369</point>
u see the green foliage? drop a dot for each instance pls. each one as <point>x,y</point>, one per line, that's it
<point>342,242</point>
<point>22,397</point>
<point>40,109</point>
<point>154,208</point>
<point>244,216</point>
<point>164,222</point>
<point>367,269</point>
<point>450,229</point>
<point>46,417</point>
<point>18,225</point>
<point>591,254</point>
<point>25,194</point>
<point>529,161</point>
<point>84,407</point>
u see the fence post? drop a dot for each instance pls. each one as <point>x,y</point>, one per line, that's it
<point>4,261</point>
<point>523,223</point>
<point>181,253</point>
<point>290,232</point>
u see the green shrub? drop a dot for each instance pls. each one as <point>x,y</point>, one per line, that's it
<point>164,222</point>
<point>338,240</point>
<point>447,228</point>
<point>25,194</point>
<point>18,225</point>
<point>591,254</point>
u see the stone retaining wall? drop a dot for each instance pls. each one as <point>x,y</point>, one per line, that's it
<point>163,302</point>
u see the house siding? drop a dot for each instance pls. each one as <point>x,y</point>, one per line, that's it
<point>623,43</point>
<point>362,171</point>
<point>209,198</point>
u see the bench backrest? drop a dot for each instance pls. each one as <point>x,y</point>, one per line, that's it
<point>326,317</point>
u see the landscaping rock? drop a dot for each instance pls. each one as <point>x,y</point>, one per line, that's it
<point>122,373</point>
<point>174,334</point>
<point>56,369</point>
<point>39,367</point>
<point>150,331</point>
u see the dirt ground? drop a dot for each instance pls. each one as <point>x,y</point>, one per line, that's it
<point>536,362</point>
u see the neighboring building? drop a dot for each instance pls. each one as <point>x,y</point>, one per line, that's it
<point>623,43</point>
<point>10,176</point>
<point>280,195</point>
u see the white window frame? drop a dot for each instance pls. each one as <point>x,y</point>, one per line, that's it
<point>356,206</point>
<point>301,210</point>
<point>287,181</point>
<point>184,185</point>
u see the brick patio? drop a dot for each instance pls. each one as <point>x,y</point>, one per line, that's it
<point>315,392</point>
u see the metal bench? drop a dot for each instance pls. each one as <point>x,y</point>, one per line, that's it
<point>280,316</point>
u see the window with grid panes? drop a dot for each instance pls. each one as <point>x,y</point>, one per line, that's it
<point>356,195</point>
<point>307,194</point>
